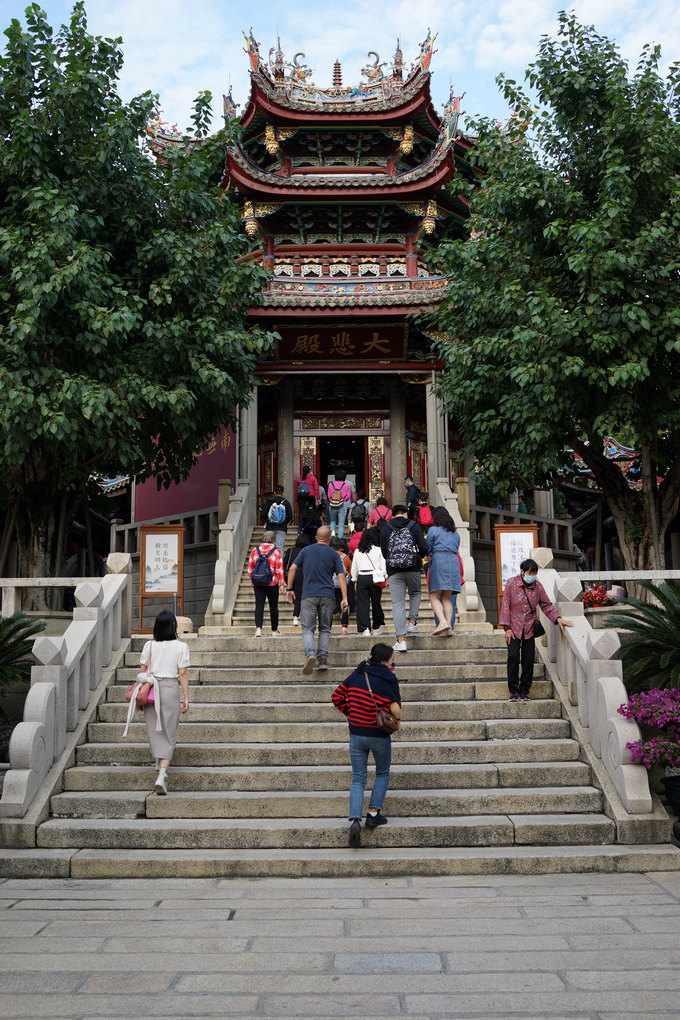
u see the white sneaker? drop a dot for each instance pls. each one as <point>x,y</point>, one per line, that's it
<point>400,646</point>
<point>296,621</point>
<point>258,632</point>
<point>160,787</point>
<point>365,633</point>
<point>276,633</point>
<point>411,628</point>
<point>378,632</point>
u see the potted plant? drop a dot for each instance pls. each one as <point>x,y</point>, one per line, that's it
<point>651,650</point>
<point>658,712</point>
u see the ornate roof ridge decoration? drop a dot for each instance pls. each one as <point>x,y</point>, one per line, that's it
<point>448,135</point>
<point>289,83</point>
<point>163,137</point>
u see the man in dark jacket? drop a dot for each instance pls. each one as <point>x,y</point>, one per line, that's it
<point>403,547</point>
<point>278,514</point>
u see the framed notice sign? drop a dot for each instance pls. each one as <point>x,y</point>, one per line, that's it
<point>161,564</point>
<point>514,543</point>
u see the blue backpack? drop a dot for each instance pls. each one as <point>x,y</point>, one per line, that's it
<point>262,571</point>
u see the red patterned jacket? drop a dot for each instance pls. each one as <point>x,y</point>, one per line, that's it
<point>518,608</point>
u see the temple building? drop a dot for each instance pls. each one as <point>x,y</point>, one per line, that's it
<point>343,191</point>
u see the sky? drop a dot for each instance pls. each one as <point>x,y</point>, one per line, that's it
<point>180,47</point>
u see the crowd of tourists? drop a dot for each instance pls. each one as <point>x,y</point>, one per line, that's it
<point>324,575</point>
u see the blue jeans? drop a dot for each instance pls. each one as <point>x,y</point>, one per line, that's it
<point>358,753</point>
<point>337,517</point>
<point>279,539</point>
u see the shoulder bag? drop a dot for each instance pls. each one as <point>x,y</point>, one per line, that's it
<point>385,721</point>
<point>379,579</point>
<point>539,629</point>
<point>142,692</point>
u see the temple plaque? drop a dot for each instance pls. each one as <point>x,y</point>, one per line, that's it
<point>372,342</point>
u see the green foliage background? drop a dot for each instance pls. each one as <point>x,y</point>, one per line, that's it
<point>564,310</point>
<point>123,342</point>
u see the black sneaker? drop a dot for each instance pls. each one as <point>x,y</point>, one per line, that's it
<point>322,664</point>
<point>525,697</point>
<point>373,821</point>
<point>355,833</point>
<point>514,697</point>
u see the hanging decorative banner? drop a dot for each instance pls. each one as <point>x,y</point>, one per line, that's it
<point>364,342</point>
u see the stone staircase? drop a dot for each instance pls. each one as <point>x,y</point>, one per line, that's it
<point>259,783</point>
<point>243,616</point>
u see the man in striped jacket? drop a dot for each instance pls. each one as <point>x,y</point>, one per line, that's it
<point>372,685</point>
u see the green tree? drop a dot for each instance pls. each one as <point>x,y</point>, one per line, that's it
<point>123,342</point>
<point>564,311</point>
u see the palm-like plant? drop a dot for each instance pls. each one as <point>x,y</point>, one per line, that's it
<point>16,640</point>
<point>651,658</point>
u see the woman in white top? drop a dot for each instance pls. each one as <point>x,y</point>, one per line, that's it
<point>166,658</point>
<point>368,566</point>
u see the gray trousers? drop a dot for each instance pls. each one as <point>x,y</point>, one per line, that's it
<point>399,584</point>
<point>317,608</point>
<point>279,539</point>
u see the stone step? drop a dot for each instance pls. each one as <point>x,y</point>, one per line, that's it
<point>309,712</point>
<point>314,833</point>
<point>319,692</point>
<point>224,642</point>
<point>275,656</point>
<point>410,752</point>
<point>292,673</point>
<point>328,777</point>
<point>401,804</point>
<point>272,733</point>
<point>340,862</point>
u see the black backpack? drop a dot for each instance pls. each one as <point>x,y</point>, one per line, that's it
<point>359,512</point>
<point>401,549</point>
<point>262,571</point>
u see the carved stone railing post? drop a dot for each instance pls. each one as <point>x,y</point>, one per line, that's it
<point>591,675</point>
<point>121,563</point>
<point>66,671</point>
<point>89,600</point>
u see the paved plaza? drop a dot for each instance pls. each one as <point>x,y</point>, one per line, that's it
<point>568,947</point>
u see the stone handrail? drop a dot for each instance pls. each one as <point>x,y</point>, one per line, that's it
<point>553,532</point>
<point>67,670</point>
<point>588,667</point>
<point>125,537</point>
<point>470,604</point>
<point>233,537</point>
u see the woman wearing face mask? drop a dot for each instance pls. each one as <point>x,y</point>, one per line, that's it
<point>521,599</point>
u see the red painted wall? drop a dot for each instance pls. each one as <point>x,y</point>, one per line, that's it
<point>218,460</point>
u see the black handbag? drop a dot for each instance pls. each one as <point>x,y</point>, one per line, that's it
<point>539,629</point>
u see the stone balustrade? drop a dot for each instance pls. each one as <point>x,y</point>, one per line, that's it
<point>233,537</point>
<point>470,606</point>
<point>590,670</point>
<point>67,670</point>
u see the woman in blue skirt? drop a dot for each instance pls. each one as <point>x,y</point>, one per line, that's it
<point>444,577</point>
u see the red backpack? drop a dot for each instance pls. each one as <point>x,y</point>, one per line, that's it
<point>425,516</point>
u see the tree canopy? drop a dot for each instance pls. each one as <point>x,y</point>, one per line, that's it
<point>564,311</point>
<point>123,339</point>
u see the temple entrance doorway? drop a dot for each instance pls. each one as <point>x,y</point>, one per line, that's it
<point>346,453</point>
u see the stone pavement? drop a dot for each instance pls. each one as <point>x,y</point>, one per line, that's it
<point>567,947</point>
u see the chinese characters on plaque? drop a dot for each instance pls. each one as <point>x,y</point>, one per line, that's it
<point>161,563</point>
<point>366,342</point>
<point>161,572</point>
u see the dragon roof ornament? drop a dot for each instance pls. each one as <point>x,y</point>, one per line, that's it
<point>290,82</point>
